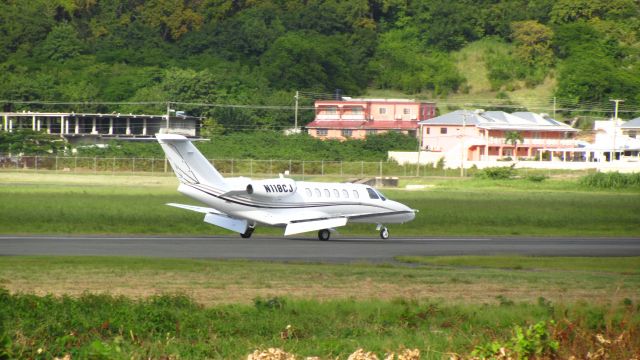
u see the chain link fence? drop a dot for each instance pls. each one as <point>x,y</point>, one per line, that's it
<point>228,167</point>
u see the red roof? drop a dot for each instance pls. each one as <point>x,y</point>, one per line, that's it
<point>399,125</point>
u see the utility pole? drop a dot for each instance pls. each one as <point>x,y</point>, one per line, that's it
<point>419,150</point>
<point>295,126</point>
<point>554,107</point>
<point>462,150</point>
<point>615,124</point>
<point>168,114</point>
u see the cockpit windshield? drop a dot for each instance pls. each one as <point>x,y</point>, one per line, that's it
<point>375,194</point>
<point>372,193</point>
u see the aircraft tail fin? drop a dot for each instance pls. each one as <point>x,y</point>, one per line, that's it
<point>188,163</point>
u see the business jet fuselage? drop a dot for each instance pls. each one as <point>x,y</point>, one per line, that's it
<point>241,204</point>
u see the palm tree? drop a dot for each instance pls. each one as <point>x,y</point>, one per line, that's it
<point>513,137</point>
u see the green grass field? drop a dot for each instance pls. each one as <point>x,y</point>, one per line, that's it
<point>89,204</point>
<point>122,308</point>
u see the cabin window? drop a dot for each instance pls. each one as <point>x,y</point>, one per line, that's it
<point>332,110</point>
<point>406,111</point>
<point>355,194</point>
<point>371,131</point>
<point>317,192</point>
<point>345,194</point>
<point>322,132</point>
<point>327,193</point>
<point>382,111</point>
<point>428,131</point>
<point>308,192</point>
<point>336,193</point>
<point>347,132</point>
<point>443,130</point>
<point>381,196</point>
<point>372,193</point>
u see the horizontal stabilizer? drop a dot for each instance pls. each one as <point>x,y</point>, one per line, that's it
<point>200,209</point>
<point>305,226</point>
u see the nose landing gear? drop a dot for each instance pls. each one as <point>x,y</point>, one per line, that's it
<point>384,232</point>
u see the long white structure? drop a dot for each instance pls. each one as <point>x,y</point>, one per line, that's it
<point>101,125</point>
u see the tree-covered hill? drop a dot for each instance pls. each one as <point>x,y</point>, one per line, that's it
<point>140,54</point>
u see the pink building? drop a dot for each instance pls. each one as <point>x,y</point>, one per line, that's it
<point>357,118</point>
<point>481,135</point>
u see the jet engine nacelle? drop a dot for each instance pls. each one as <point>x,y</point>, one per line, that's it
<point>272,188</point>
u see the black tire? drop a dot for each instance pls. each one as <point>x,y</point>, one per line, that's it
<point>384,233</point>
<point>247,234</point>
<point>324,234</point>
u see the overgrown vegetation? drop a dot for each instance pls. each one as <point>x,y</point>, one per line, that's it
<point>170,326</point>
<point>611,180</point>
<point>245,145</point>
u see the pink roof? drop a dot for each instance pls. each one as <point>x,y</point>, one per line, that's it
<point>401,125</point>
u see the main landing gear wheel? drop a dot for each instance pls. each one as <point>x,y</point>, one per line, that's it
<point>247,234</point>
<point>384,233</point>
<point>324,234</point>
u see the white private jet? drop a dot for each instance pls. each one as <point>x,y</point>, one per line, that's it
<point>240,204</point>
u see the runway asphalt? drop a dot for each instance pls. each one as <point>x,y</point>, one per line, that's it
<point>339,249</point>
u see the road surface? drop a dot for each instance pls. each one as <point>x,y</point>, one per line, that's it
<point>345,249</point>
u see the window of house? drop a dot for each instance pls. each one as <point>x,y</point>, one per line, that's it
<point>357,110</point>
<point>327,193</point>
<point>443,130</point>
<point>332,110</point>
<point>345,194</point>
<point>382,111</point>
<point>347,132</point>
<point>371,131</point>
<point>336,193</point>
<point>322,132</point>
<point>317,192</point>
<point>406,111</point>
<point>633,134</point>
<point>428,131</point>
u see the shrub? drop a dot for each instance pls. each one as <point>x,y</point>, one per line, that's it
<point>612,180</point>
<point>537,178</point>
<point>496,173</point>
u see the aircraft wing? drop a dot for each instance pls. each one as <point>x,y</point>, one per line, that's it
<point>300,226</point>
<point>297,222</point>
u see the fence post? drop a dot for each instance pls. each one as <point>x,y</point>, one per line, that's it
<point>302,169</point>
<point>56,163</point>
<point>361,168</point>
<point>340,167</point>
<point>133,165</point>
<point>95,164</point>
<point>36,164</point>
<point>113,166</point>
<point>231,167</point>
<point>322,167</point>
<point>380,168</point>
<point>250,167</point>
<point>153,164</point>
<point>271,167</point>
<point>289,167</point>
<point>75,163</point>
